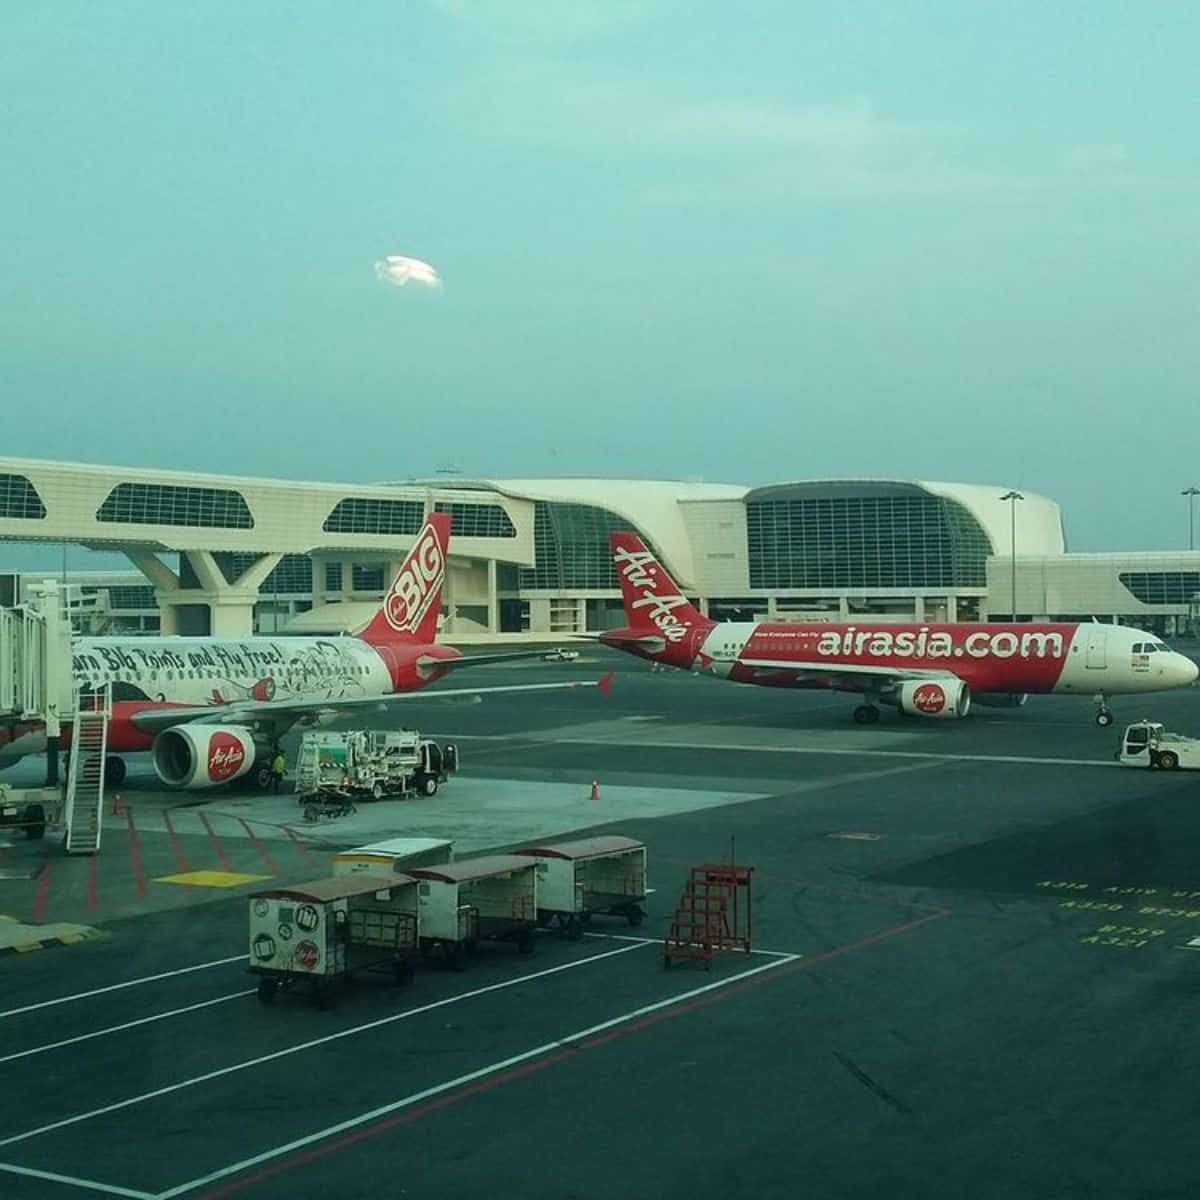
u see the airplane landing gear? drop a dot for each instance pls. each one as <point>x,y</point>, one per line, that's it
<point>114,771</point>
<point>1104,716</point>
<point>866,714</point>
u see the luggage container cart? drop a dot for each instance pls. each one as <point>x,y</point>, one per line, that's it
<point>465,902</point>
<point>396,854</point>
<point>595,875</point>
<point>324,932</point>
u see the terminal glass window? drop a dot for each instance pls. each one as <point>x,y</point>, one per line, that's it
<point>131,597</point>
<point>368,577</point>
<point>19,499</point>
<point>164,504</point>
<point>1162,587</point>
<point>478,520</point>
<point>293,573</point>
<point>366,514</point>
<point>571,547</point>
<point>852,538</point>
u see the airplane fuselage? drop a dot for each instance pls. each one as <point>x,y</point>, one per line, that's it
<point>1033,658</point>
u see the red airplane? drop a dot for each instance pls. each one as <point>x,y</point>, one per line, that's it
<point>211,709</point>
<point>929,670</point>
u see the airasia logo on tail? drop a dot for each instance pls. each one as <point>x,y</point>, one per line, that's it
<point>416,586</point>
<point>640,568</point>
<point>929,698</point>
<point>225,757</point>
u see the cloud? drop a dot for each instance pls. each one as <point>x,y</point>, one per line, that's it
<point>398,270</point>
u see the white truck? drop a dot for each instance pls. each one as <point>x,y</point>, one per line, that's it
<point>1148,744</point>
<point>371,764</point>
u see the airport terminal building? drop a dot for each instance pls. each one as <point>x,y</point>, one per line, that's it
<point>223,555</point>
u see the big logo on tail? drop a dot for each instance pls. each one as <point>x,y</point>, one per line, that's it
<point>417,585</point>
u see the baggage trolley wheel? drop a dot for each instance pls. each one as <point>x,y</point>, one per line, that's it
<point>403,973</point>
<point>574,928</point>
<point>525,941</point>
<point>323,995</point>
<point>635,916</point>
<point>267,987</point>
<point>456,954</point>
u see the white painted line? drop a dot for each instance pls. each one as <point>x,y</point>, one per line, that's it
<point>95,1033</point>
<point>743,747</point>
<point>321,1041</point>
<point>111,1189</point>
<point>471,1076</point>
<point>113,987</point>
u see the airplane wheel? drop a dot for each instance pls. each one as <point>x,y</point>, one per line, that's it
<point>114,771</point>
<point>1104,718</point>
<point>1168,760</point>
<point>866,714</point>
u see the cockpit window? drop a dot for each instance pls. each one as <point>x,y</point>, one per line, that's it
<point>1160,646</point>
<point>1139,648</point>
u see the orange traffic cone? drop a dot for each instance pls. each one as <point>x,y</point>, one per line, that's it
<point>117,807</point>
<point>595,790</point>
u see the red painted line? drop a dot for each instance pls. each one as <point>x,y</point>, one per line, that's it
<point>135,854</point>
<point>218,849</point>
<point>43,895</point>
<point>409,1115</point>
<point>93,898</point>
<point>301,847</point>
<point>176,847</point>
<point>262,850</point>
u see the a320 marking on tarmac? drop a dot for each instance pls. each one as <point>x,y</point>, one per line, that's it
<point>1127,937</point>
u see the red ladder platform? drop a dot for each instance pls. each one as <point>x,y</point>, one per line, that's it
<point>714,914</point>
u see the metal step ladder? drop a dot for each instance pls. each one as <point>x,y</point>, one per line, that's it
<point>714,914</point>
<point>84,809</point>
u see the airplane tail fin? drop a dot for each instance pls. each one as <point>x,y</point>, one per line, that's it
<point>410,609</point>
<point>653,603</point>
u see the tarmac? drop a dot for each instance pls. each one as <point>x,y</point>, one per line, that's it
<point>974,970</point>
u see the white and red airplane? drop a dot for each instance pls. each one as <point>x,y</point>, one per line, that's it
<point>925,670</point>
<point>209,710</point>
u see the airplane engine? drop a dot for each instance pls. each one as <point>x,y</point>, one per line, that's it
<point>934,698</point>
<point>203,756</point>
<point>1001,699</point>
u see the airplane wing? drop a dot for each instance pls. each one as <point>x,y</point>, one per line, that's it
<point>500,656</point>
<point>281,715</point>
<point>849,671</point>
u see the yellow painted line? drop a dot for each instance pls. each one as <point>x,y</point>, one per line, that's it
<point>220,879</point>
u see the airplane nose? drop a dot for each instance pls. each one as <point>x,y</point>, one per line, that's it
<point>1186,670</point>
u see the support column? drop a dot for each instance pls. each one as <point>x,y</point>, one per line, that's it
<point>919,608</point>
<point>951,609</point>
<point>493,598</point>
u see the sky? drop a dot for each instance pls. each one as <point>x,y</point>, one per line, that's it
<point>744,243</point>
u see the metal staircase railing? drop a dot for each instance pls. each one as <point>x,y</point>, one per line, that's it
<point>84,809</point>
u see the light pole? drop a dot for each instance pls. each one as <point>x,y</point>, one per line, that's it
<point>1012,498</point>
<point>1191,493</point>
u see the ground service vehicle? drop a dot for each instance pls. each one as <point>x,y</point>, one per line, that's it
<point>321,933</point>
<point>1148,744</point>
<point>371,764</point>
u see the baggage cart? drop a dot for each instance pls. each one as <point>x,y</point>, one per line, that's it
<point>396,854</point>
<point>322,933</point>
<point>578,879</point>
<point>463,903</point>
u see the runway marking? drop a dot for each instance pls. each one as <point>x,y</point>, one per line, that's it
<point>181,864</point>
<point>742,747</point>
<point>95,1033</point>
<point>486,1077</point>
<point>262,850</point>
<point>130,1101</point>
<point>135,854</point>
<point>43,895</point>
<point>114,987</point>
<point>300,846</point>
<point>218,849</point>
<point>219,879</point>
<point>111,1189</point>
